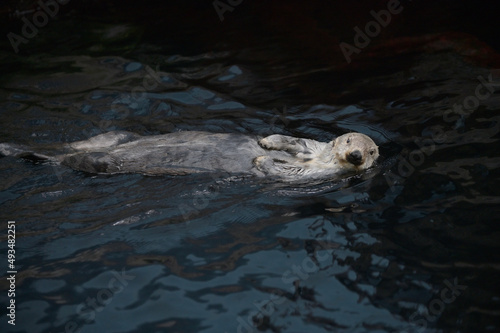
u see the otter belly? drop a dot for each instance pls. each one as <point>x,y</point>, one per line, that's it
<point>174,153</point>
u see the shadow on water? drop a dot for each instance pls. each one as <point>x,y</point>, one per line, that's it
<point>409,246</point>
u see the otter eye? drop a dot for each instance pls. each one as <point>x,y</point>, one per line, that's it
<point>372,152</point>
<point>348,140</point>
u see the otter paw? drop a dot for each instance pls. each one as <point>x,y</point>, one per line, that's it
<point>266,144</point>
<point>262,163</point>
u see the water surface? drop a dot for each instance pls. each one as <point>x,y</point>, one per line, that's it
<point>410,246</point>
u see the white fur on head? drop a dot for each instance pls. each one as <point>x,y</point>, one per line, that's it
<point>348,143</point>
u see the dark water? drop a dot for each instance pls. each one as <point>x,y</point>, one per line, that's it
<point>410,246</point>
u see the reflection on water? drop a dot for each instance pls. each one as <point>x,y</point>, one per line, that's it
<point>413,243</point>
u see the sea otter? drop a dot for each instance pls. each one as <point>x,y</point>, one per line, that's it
<point>190,152</point>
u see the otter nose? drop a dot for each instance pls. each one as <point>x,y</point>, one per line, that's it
<point>355,157</point>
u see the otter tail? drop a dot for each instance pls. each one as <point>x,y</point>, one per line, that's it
<point>16,150</point>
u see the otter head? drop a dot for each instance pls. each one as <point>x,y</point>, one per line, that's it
<point>355,151</point>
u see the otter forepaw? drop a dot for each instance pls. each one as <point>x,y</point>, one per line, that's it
<point>263,163</point>
<point>259,161</point>
<point>278,142</point>
<point>266,144</point>
<point>282,142</point>
<point>272,166</point>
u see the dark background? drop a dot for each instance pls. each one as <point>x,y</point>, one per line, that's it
<point>438,223</point>
<point>314,28</point>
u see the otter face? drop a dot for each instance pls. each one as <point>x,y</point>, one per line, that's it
<point>355,151</point>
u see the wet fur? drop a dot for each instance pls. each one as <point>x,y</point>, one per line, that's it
<point>189,152</point>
